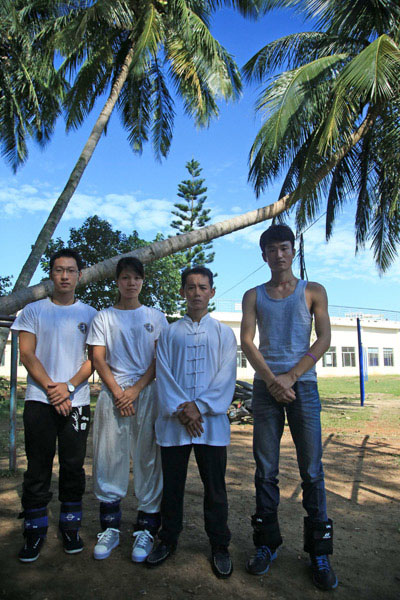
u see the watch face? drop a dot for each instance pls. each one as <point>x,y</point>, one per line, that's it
<point>71,388</point>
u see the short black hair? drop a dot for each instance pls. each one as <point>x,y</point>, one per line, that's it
<point>197,270</point>
<point>131,264</point>
<point>276,233</point>
<point>69,253</point>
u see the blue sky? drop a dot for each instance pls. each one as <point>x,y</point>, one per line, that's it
<point>136,192</point>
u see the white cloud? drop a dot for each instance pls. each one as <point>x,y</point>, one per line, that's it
<point>124,211</point>
<point>336,259</point>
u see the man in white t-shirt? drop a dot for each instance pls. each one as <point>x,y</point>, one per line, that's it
<point>52,342</point>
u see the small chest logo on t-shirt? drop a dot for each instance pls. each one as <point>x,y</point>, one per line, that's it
<point>83,327</point>
<point>149,327</point>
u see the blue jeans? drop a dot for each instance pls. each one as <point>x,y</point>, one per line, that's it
<point>303,416</point>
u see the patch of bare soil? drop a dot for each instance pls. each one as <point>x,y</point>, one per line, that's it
<point>362,479</point>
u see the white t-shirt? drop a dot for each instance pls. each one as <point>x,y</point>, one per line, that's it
<point>61,333</point>
<point>129,337</point>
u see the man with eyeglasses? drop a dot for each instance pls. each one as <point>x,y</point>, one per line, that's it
<point>52,343</point>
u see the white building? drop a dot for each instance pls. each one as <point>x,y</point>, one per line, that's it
<point>380,333</point>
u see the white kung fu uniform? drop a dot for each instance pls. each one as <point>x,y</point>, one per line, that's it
<point>61,333</point>
<point>129,337</point>
<point>195,361</point>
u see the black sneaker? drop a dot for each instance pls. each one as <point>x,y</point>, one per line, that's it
<point>71,541</point>
<point>159,554</point>
<point>221,562</point>
<point>261,561</point>
<point>323,575</point>
<point>31,549</point>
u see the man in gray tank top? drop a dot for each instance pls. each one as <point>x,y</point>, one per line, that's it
<point>285,380</point>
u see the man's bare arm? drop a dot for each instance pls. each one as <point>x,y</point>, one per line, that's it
<point>254,356</point>
<point>27,348</point>
<point>319,308</point>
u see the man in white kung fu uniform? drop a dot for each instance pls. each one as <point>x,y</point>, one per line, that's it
<point>196,370</point>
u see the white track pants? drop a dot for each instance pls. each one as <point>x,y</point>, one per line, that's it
<point>116,439</point>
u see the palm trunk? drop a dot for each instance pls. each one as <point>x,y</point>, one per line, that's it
<point>149,253</point>
<point>18,299</point>
<point>61,204</point>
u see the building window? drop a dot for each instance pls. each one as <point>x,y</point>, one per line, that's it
<point>329,358</point>
<point>348,356</point>
<point>241,360</point>
<point>388,357</point>
<point>373,357</point>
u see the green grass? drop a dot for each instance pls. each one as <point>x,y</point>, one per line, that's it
<point>350,386</point>
<point>342,414</point>
<point>340,400</point>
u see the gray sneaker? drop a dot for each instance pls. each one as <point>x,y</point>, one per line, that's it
<point>142,546</point>
<point>106,542</point>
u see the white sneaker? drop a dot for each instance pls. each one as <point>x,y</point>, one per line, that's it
<point>107,541</point>
<point>142,545</point>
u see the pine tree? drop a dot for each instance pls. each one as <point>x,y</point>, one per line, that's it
<point>192,214</point>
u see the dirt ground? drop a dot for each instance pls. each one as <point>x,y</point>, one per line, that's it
<point>362,469</point>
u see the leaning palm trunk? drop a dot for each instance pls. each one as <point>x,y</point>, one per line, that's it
<point>19,298</point>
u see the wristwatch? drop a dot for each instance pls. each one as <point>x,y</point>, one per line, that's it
<point>71,388</point>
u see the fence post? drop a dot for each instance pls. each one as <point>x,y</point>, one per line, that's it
<point>13,401</point>
<point>360,362</point>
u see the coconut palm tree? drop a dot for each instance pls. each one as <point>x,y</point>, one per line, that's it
<point>133,50</point>
<point>332,123</point>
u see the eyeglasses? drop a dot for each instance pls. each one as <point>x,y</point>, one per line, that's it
<point>60,271</point>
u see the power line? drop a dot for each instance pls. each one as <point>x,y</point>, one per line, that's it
<point>313,223</point>
<point>239,282</point>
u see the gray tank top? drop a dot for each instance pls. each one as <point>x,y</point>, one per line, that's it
<point>284,327</point>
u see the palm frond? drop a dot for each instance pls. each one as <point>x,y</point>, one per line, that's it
<point>163,113</point>
<point>360,19</point>
<point>385,234</point>
<point>289,92</point>
<point>365,169</point>
<point>147,34</point>
<point>90,82</point>
<point>296,50</point>
<point>342,187</point>
<point>370,77</point>
<point>135,104</point>
<point>201,70</point>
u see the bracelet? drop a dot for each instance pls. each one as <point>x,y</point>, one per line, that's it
<point>315,359</point>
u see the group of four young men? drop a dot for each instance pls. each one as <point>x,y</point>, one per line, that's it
<point>195,377</point>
